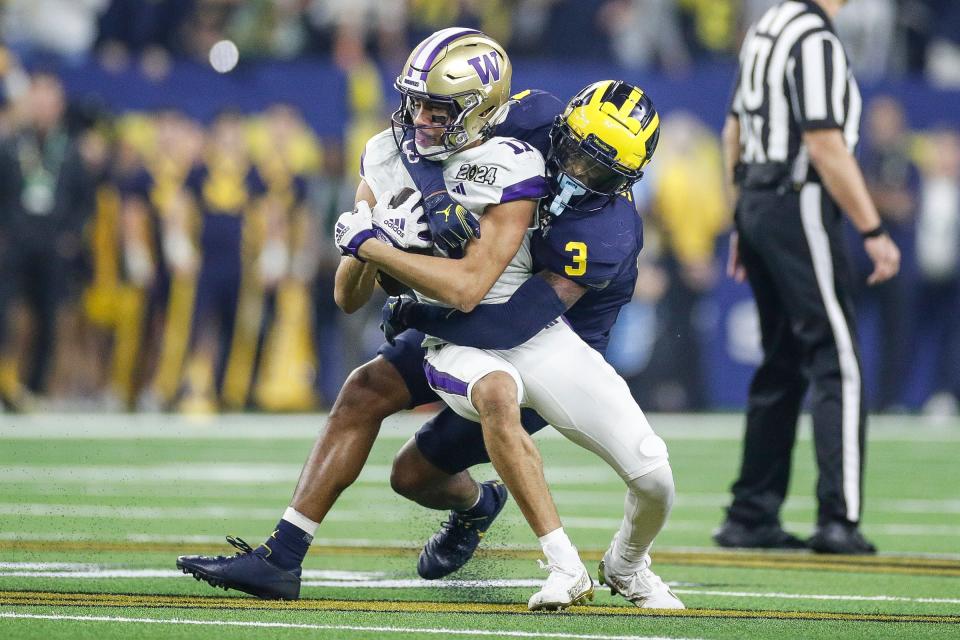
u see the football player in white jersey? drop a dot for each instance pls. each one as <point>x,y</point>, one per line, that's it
<point>455,85</point>
<point>556,373</point>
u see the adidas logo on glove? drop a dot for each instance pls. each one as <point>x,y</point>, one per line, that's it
<point>396,225</point>
<point>339,232</point>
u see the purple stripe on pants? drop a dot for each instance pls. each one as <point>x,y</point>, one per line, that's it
<point>441,381</point>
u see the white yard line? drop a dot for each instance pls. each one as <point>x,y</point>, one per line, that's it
<point>375,580</point>
<point>326,627</point>
<point>566,479</point>
<point>717,426</point>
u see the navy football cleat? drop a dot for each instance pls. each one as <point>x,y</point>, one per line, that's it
<point>451,547</point>
<point>247,571</point>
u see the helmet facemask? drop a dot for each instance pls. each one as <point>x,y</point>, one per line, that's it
<point>585,175</point>
<point>455,135</point>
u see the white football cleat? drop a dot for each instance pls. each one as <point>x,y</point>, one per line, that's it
<point>643,588</point>
<point>564,587</point>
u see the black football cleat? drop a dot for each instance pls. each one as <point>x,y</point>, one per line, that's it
<point>736,535</point>
<point>247,571</point>
<point>450,548</point>
<point>841,538</point>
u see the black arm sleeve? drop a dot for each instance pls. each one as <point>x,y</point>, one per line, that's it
<point>492,326</point>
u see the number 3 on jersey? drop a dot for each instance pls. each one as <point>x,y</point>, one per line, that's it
<point>579,251</point>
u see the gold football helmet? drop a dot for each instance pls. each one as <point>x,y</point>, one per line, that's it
<point>600,144</point>
<point>462,72</point>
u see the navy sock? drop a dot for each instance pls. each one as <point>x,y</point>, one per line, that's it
<point>486,505</point>
<point>287,547</point>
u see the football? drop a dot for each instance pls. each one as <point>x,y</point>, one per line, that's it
<point>401,195</point>
<point>388,283</point>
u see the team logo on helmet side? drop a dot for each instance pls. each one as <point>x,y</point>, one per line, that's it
<point>487,66</point>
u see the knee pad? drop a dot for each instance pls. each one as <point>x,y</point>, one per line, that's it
<point>654,448</point>
<point>656,486</point>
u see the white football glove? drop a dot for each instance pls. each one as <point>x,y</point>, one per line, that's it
<point>354,228</point>
<point>405,224</point>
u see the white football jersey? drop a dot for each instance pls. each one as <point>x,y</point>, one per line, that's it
<point>496,171</point>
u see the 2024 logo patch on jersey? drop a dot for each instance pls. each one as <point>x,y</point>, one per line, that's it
<point>477,173</point>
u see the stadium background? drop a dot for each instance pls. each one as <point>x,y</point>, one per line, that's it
<point>314,82</point>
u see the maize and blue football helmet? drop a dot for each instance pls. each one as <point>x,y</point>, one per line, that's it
<point>600,145</point>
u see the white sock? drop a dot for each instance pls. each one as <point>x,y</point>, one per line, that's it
<point>646,508</point>
<point>300,521</point>
<point>559,550</point>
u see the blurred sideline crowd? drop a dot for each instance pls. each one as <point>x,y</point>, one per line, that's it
<point>153,262</point>
<point>883,37</point>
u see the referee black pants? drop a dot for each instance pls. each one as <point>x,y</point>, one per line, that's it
<point>792,248</point>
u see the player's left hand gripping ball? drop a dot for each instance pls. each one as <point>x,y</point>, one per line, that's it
<point>401,218</point>
<point>353,229</point>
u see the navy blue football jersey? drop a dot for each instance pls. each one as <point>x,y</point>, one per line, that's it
<point>532,113</point>
<point>598,250</point>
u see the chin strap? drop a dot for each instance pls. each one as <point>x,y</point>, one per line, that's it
<point>568,189</point>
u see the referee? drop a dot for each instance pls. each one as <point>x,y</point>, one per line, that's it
<point>788,141</point>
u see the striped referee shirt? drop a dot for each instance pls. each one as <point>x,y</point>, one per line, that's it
<point>793,77</point>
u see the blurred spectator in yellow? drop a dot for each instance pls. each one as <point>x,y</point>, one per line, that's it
<point>688,213</point>
<point>938,259</point>
<point>149,180</point>
<point>179,226</point>
<point>226,190</point>
<point>892,179</point>
<point>287,153</point>
<point>100,298</point>
<point>711,25</point>
<point>46,196</point>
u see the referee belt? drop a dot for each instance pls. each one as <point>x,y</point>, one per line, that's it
<point>774,176</point>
